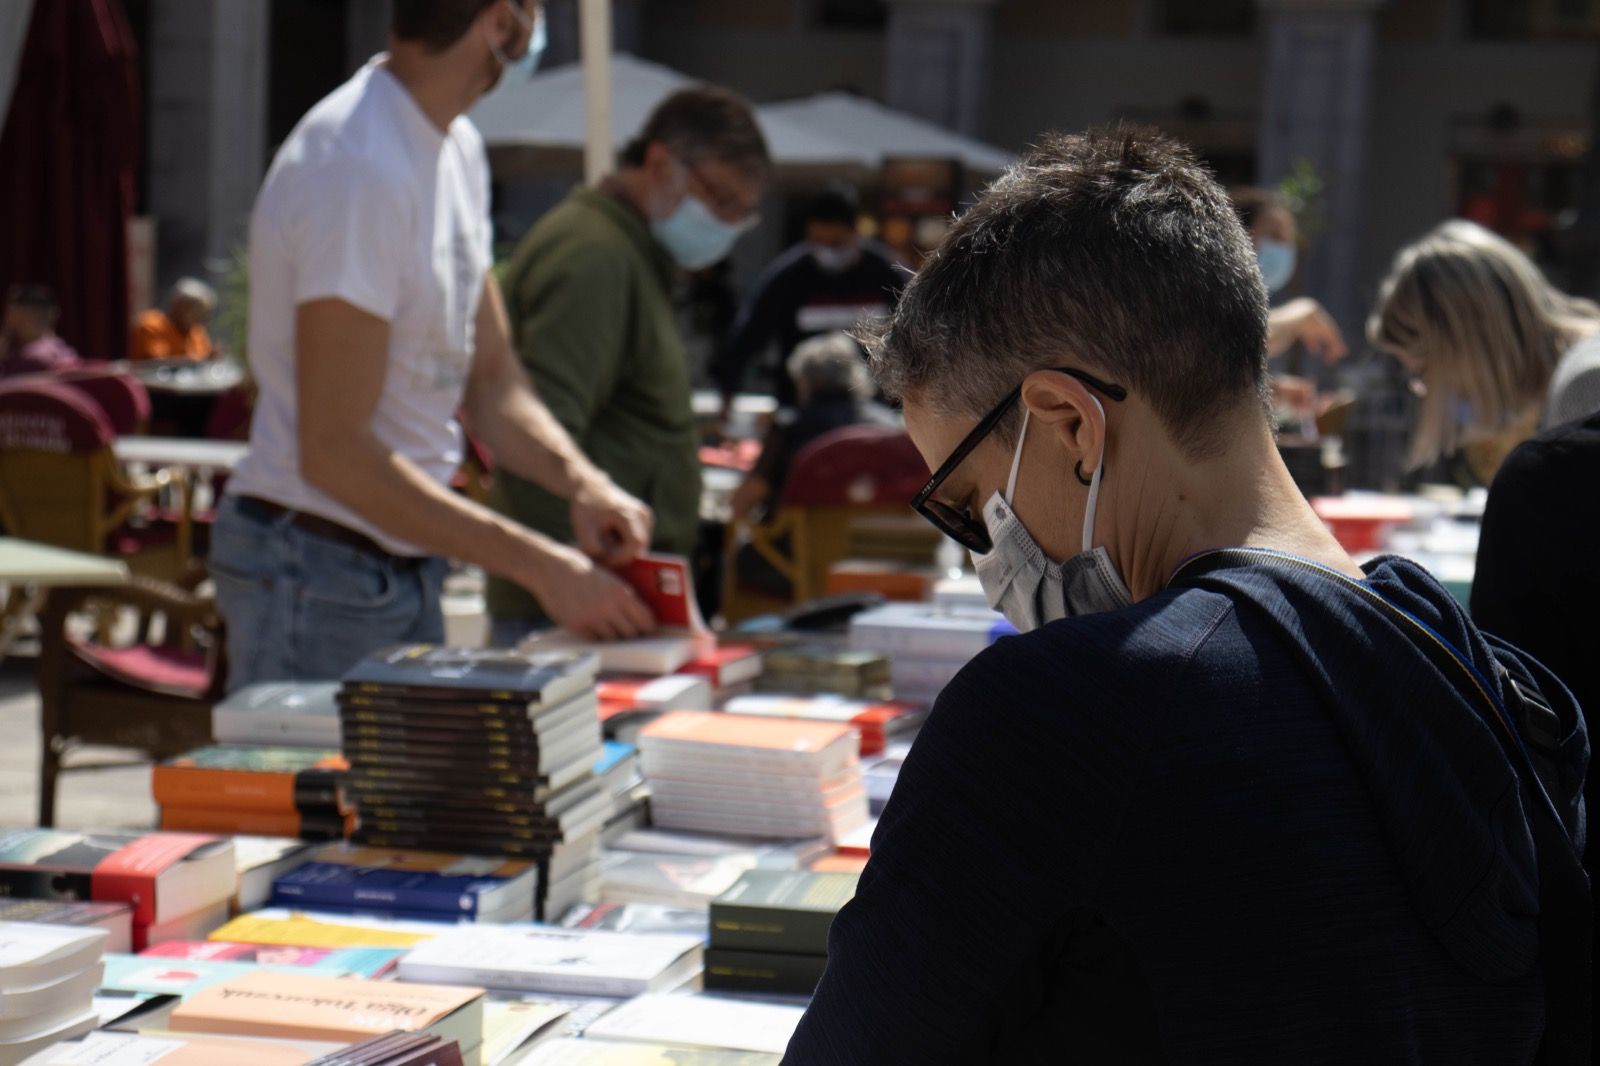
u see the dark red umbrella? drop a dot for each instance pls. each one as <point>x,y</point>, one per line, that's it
<point>69,155</point>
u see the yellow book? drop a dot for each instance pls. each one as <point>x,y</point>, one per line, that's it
<point>280,927</point>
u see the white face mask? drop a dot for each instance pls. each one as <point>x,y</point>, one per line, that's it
<point>1024,584</point>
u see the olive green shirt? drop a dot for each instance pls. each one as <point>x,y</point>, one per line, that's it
<point>589,294</point>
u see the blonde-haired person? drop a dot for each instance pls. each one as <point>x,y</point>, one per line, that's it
<point>1496,350</point>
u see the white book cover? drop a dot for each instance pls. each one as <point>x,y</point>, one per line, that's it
<point>927,632</point>
<point>701,1022</point>
<point>293,713</point>
<point>567,1051</point>
<point>536,958</point>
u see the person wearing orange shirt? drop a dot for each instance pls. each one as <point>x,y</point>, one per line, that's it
<point>179,332</point>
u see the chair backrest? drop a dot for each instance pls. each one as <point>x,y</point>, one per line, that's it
<point>123,397</point>
<point>848,495</point>
<point>231,414</point>
<point>857,466</point>
<point>55,453</point>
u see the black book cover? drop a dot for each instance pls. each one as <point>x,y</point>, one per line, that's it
<point>770,972</point>
<point>428,671</point>
<point>786,911</point>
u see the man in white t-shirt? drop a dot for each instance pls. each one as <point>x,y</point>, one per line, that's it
<point>374,319</point>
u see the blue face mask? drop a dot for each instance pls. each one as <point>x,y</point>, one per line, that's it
<point>525,65</point>
<point>694,236</point>
<point>1277,261</point>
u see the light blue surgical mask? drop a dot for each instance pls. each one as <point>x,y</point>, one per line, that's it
<point>694,236</point>
<point>1277,262</point>
<point>527,64</point>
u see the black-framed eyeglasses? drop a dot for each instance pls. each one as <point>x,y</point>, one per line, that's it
<point>961,527</point>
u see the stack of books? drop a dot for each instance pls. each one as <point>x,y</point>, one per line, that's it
<point>629,703</point>
<point>337,1010</point>
<point>877,722</point>
<point>419,885</point>
<point>290,714</point>
<point>254,789</point>
<point>397,1049</point>
<point>571,962</point>
<point>891,580</point>
<point>622,778</point>
<point>769,932</point>
<point>480,751</point>
<point>816,668</point>
<point>732,670</point>
<point>48,977</point>
<point>260,861</point>
<point>115,918</point>
<point>756,777</point>
<point>178,884</point>
<point>926,645</point>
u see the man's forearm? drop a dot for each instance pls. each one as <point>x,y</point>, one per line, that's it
<point>393,494</point>
<point>530,442</point>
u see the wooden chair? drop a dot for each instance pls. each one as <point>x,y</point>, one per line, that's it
<point>154,694</point>
<point>847,496</point>
<point>60,482</point>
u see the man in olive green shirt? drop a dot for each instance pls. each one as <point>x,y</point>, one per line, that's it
<point>589,294</point>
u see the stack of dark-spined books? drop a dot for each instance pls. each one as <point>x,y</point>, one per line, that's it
<point>481,751</point>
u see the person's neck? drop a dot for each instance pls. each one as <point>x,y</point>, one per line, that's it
<point>627,186</point>
<point>1244,498</point>
<point>442,89</point>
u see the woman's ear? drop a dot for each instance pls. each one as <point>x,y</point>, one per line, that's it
<point>1063,406</point>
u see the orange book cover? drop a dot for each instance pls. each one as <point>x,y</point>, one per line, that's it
<point>742,731</point>
<point>840,864</point>
<point>305,1007</point>
<point>909,584</point>
<point>249,779</point>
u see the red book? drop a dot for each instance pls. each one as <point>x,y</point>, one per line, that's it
<point>666,585</point>
<point>162,876</point>
<point>726,665</point>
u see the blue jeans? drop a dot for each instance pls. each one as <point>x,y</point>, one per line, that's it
<point>304,607</point>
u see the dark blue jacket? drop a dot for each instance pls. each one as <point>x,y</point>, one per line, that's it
<point>1245,822</point>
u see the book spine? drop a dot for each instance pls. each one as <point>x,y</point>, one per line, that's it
<point>209,820</point>
<point>747,928</point>
<point>561,984</point>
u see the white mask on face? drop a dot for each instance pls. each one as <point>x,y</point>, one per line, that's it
<point>1022,583</point>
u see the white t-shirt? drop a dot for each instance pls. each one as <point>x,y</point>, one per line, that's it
<point>368,202</point>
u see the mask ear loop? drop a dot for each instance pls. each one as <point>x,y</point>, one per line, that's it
<point>1090,507</point>
<point>1016,459</point>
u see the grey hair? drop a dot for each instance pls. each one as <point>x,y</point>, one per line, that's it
<point>196,290</point>
<point>1113,250</point>
<point>1478,321</point>
<point>829,365</point>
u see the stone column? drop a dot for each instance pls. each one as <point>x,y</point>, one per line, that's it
<point>208,116</point>
<point>938,61</point>
<point>1316,106</point>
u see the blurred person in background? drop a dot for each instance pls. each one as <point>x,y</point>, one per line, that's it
<point>590,298</point>
<point>1538,573</point>
<point>179,331</point>
<point>374,319</point>
<point>1302,320</point>
<point>832,390</point>
<point>832,280</point>
<point>28,341</point>
<point>1495,351</point>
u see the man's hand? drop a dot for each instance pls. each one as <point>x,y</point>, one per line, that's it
<point>610,525</point>
<point>587,599</point>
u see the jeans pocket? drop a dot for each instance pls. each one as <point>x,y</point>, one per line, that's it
<point>345,579</point>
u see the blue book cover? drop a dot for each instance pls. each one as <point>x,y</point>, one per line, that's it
<point>451,897</point>
<point>613,753</point>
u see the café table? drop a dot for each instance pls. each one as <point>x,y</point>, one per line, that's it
<point>30,570</point>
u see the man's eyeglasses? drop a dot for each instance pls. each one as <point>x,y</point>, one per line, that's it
<point>965,529</point>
